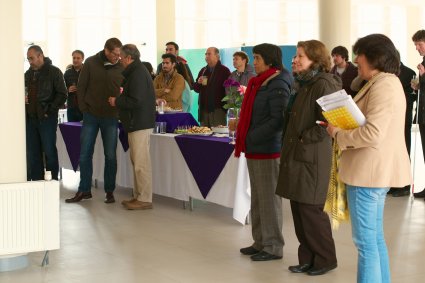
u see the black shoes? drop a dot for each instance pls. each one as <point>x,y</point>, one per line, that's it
<point>301,268</point>
<point>79,196</point>
<point>420,194</point>
<point>109,197</point>
<point>401,192</point>
<point>320,271</point>
<point>249,251</point>
<point>264,256</point>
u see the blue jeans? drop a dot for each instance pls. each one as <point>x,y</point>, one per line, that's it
<point>41,138</point>
<point>109,132</point>
<point>366,207</point>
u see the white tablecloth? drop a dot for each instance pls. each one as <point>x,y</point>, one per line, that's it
<point>171,175</point>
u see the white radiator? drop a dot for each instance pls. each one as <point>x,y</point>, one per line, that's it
<point>29,217</point>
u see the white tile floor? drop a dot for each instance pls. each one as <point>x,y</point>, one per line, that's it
<point>105,243</point>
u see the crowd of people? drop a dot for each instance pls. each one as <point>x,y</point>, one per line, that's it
<point>288,154</point>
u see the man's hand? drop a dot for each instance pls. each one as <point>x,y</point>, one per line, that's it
<point>159,100</point>
<point>72,88</point>
<point>111,101</point>
<point>421,69</point>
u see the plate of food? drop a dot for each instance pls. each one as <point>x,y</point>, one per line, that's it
<point>171,110</point>
<point>220,129</point>
<point>199,131</point>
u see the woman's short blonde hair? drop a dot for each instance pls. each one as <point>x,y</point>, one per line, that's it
<point>317,52</point>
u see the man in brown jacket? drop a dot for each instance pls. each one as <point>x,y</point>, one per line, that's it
<point>169,84</point>
<point>99,79</point>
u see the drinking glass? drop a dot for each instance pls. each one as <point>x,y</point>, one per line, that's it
<point>232,123</point>
<point>161,107</point>
<point>414,82</point>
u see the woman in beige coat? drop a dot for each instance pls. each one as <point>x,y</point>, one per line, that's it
<point>374,156</point>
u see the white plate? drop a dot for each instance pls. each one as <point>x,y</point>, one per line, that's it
<point>198,134</point>
<point>173,111</point>
<point>220,130</point>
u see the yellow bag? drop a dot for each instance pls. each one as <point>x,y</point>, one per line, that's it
<point>336,199</point>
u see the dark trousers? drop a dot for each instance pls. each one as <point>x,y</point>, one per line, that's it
<point>41,139</point>
<point>408,125</point>
<point>74,114</point>
<point>313,230</point>
<point>422,131</point>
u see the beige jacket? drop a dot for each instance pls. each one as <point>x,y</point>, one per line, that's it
<point>171,91</point>
<point>375,154</point>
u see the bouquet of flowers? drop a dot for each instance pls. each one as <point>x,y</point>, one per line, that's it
<point>234,94</point>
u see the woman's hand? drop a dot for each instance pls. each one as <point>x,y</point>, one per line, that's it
<point>332,130</point>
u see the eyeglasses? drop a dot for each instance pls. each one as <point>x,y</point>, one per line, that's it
<point>114,53</point>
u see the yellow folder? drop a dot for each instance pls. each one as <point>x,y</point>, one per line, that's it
<point>341,118</point>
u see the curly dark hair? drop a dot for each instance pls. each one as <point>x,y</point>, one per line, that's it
<point>341,51</point>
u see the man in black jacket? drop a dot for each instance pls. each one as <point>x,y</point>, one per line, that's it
<point>419,41</point>
<point>71,79</point>
<point>136,107</point>
<point>406,75</point>
<point>99,79</point>
<point>45,93</point>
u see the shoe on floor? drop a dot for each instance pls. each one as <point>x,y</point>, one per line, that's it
<point>300,268</point>
<point>138,205</point>
<point>249,251</point>
<point>391,191</point>
<point>109,198</point>
<point>401,192</point>
<point>264,256</point>
<point>79,196</point>
<point>420,194</point>
<point>320,271</point>
<point>128,201</point>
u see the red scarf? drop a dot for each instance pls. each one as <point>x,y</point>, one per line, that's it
<point>246,110</point>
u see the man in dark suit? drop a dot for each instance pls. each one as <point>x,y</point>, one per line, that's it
<point>136,106</point>
<point>419,40</point>
<point>406,75</point>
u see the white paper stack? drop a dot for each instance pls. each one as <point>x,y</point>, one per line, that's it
<point>341,111</point>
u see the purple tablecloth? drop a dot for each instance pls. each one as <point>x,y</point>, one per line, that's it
<point>205,157</point>
<point>71,133</point>
<point>175,120</point>
<point>71,136</point>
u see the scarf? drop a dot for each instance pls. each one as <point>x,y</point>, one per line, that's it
<point>305,77</point>
<point>254,85</point>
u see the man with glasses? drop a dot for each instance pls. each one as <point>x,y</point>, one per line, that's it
<point>99,79</point>
<point>45,93</point>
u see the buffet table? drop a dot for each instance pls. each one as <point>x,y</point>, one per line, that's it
<point>183,167</point>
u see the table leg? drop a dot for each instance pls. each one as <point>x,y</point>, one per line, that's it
<point>60,173</point>
<point>248,219</point>
<point>45,259</point>
<point>191,203</point>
